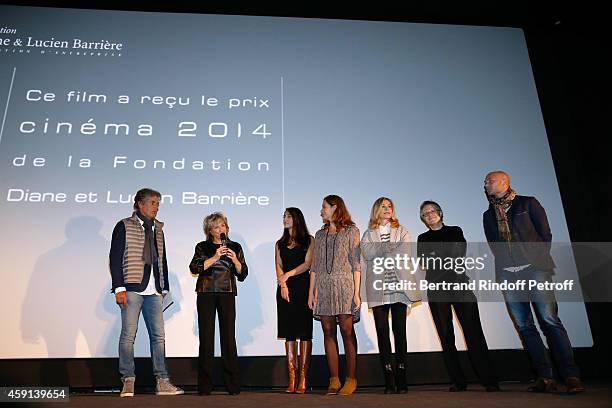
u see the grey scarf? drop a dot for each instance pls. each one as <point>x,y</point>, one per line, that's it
<point>149,253</point>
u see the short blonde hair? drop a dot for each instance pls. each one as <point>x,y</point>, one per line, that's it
<point>211,220</point>
<point>375,221</point>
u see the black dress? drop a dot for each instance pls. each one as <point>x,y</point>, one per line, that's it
<point>294,317</point>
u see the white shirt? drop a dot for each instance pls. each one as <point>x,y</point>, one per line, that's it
<point>385,233</point>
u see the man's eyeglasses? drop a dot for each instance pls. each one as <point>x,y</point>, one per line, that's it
<point>429,212</point>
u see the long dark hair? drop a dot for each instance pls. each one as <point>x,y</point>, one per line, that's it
<point>302,236</point>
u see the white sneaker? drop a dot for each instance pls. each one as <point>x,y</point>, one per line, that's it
<point>165,387</point>
<point>128,387</point>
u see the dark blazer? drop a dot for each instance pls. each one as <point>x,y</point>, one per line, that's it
<point>221,276</point>
<point>530,231</point>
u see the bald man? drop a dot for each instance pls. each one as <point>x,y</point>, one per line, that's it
<point>518,233</point>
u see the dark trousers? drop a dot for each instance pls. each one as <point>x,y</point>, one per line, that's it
<point>466,309</point>
<point>225,306</point>
<point>398,325</point>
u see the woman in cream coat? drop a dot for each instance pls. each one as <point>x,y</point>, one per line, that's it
<point>389,290</point>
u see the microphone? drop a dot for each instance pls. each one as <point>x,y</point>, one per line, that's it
<point>223,242</point>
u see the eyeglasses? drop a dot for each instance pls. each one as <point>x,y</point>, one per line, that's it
<point>428,213</point>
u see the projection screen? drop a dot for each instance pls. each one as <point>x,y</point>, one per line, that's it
<point>246,115</point>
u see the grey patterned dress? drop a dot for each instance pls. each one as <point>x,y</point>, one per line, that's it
<point>336,258</point>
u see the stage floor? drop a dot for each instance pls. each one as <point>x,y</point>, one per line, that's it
<point>599,394</point>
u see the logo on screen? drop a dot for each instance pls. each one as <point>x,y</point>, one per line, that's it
<point>11,43</point>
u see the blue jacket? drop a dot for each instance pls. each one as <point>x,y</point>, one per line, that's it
<point>530,231</point>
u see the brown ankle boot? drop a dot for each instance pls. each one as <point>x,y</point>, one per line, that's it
<point>334,386</point>
<point>305,353</point>
<point>350,385</point>
<point>291,354</point>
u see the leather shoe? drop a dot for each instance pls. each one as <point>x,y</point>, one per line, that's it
<point>492,388</point>
<point>233,390</point>
<point>574,385</point>
<point>457,388</point>
<point>543,385</point>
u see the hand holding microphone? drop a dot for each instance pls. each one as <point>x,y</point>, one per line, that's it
<point>223,247</point>
<point>227,253</point>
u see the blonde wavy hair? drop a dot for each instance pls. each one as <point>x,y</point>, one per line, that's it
<point>375,213</point>
<point>210,221</point>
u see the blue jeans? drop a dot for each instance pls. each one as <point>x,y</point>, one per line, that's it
<point>151,306</point>
<point>519,304</point>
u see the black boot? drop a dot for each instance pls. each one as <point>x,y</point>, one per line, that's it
<point>400,379</point>
<point>389,379</point>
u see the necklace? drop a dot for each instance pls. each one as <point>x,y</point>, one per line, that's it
<point>329,271</point>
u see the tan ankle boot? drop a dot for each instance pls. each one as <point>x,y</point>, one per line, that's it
<point>350,385</point>
<point>291,354</point>
<point>305,353</point>
<point>334,386</point>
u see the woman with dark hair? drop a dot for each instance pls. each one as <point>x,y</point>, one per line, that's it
<point>444,242</point>
<point>335,280</point>
<point>217,262</point>
<point>387,238</point>
<point>293,256</point>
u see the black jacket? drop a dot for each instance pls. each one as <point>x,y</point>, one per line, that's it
<point>530,232</point>
<point>221,276</point>
<point>447,242</point>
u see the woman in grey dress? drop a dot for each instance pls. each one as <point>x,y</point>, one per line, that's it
<point>335,280</point>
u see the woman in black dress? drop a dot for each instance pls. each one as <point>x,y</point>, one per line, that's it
<point>293,256</point>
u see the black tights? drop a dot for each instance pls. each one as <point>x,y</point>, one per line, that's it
<point>349,339</point>
<point>398,325</point>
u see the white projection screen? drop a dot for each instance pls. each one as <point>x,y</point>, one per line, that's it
<point>245,115</point>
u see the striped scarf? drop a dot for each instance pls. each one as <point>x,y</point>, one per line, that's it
<point>390,275</point>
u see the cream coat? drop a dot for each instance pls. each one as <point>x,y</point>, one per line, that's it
<point>372,247</point>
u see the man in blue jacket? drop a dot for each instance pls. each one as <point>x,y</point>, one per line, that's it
<point>139,272</point>
<point>518,233</point>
